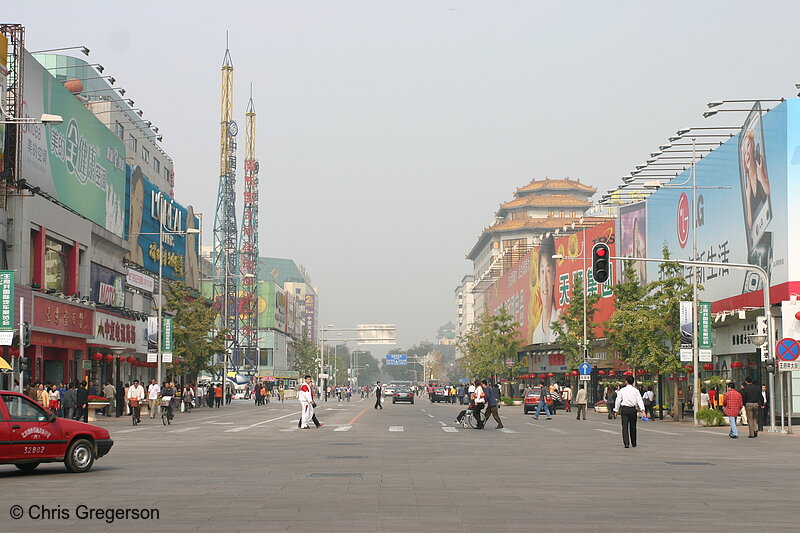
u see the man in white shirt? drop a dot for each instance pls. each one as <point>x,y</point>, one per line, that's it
<point>580,401</point>
<point>566,395</point>
<point>628,400</point>
<point>306,397</point>
<point>478,402</point>
<point>153,392</point>
<point>136,392</point>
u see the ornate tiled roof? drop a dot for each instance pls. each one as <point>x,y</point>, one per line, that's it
<point>548,200</point>
<point>564,184</point>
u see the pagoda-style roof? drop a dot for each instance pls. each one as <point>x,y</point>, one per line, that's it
<point>548,200</point>
<point>532,225</point>
<point>561,185</point>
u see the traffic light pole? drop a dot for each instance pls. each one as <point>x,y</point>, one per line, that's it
<point>767,312</point>
<point>21,341</point>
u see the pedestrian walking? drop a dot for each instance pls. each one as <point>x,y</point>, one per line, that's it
<point>82,411</point>
<point>201,395</point>
<point>218,395</point>
<point>543,393</point>
<point>55,400</point>
<point>281,392</point>
<point>478,403</point>
<point>628,399</point>
<point>566,396</point>
<point>378,395</point>
<point>120,400</point>
<point>70,401</point>
<point>611,400</point>
<point>492,404</point>
<point>751,397</point>
<point>153,392</point>
<point>649,398</point>
<point>762,418</point>
<point>306,397</point>
<point>580,401</point>
<point>135,397</point>
<point>732,402</point>
<point>110,394</point>
<point>188,398</point>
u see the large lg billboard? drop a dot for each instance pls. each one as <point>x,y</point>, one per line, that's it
<point>744,212</point>
<point>539,287</point>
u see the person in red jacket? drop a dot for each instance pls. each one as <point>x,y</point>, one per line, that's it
<point>733,405</point>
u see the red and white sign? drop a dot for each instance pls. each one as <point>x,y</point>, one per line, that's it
<point>683,219</point>
<point>58,315</point>
<point>112,330</point>
<point>141,281</point>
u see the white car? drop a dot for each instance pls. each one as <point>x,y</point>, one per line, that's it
<point>388,390</point>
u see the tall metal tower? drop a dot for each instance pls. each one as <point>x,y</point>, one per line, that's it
<point>226,252</point>
<point>248,248</point>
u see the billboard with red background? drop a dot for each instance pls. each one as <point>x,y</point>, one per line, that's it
<point>538,288</point>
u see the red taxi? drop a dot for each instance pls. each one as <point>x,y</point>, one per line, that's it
<point>31,435</point>
<point>532,400</point>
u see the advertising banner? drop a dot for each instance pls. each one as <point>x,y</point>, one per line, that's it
<point>145,204</point>
<point>167,341</point>
<point>80,162</point>
<point>309,318</point>
<point>152,339</point>
<point>61,317</point>
<point>743,211</point>
<point>704,341</point>
<point>6,300</point>
<point>687,328</point>
<point>632,237</point>
<point>114,331</point>
<point>108,286</point>
<point>538,288</point>
<point>140,281</point>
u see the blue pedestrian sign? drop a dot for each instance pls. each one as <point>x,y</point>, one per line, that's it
<point>585,369</point>
<point>396,359</point>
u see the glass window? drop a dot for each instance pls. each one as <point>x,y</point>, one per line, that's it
<point>551,213</point>
<point>132,144</point>
<point>561,214</point>
<point>166,174</point>
<point>119,130</point>
<point>146,155</point>
<point>156,164</point>
<point>56,263</point>
<point>22,409</point>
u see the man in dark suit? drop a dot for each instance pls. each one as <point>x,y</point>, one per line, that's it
<point>83,403</point>
<point>752,399</point>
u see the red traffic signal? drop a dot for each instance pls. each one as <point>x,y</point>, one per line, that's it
<point>600,262</point>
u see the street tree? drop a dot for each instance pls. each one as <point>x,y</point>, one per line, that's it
<point>569,325</point>
<point>306,357</point>
<point>196,339</point>
<point>490,341</point>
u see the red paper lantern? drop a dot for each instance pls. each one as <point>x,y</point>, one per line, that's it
<point>97,356</point>
<point>737,364</point>
<point>550,374</point>
<point>689,369</point>
<point>542,376</point>
<point>602,372</point>
<point>628,373</point>
<point>684,378</point>
<point>671,378</point>
<point>131,359</point>
<point>708,366</point>
<point>612,373</point>
<point>109,357</point>
<point>575,372</point>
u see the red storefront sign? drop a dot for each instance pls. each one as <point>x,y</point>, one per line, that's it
<point>42,338</point>
<point>63,317</point>
<point>115,330</point>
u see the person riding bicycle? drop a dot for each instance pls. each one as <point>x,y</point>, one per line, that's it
<point>135,399</point>
<point>168,395</point>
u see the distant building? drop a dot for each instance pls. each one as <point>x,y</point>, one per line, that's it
<point>465,308</point>
<point>446,334</point>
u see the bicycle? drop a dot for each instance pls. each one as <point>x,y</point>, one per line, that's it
<point>166,410</point>
<point>136,411</point>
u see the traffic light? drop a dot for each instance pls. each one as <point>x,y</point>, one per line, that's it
<point>23,364</point>
<point>26,334</point>
<point>771,365</point>
<point>601,256</point>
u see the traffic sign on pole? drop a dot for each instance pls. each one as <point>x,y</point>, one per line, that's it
<point>787,349</point>
<point>585,369</point>
<point>585,377</point>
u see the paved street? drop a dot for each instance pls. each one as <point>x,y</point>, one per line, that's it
<point>410,468</point>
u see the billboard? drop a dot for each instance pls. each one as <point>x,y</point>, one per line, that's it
<point>632,236</point>
<point>144,204</point>
<point>742,212</point>
<point>80,162</point>
<point>272,306</point>
<point>538,288</point>
<point>108,286</point>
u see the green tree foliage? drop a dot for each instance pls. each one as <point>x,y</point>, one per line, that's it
<point>193,330</point>
<point>306,357</point>
<point>569,326</point>
<point>490,340</point>
<point>645,327</point>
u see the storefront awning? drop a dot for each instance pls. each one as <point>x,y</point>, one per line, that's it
<point>4,366</point>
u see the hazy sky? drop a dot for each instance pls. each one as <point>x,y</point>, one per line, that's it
<point>389,132</point>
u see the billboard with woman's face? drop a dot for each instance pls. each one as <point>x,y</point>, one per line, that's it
<point>632,236</point>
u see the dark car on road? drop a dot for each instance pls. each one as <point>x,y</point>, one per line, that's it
<point>403,394</point>
<point>532,400</point>
<point>440,394</point>
<point>31,435</point>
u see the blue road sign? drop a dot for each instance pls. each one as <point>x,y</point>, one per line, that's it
<point>788,349</point>
<point>585,369</point>
<point>396,359</point>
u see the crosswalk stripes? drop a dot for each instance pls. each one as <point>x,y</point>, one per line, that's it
<point>605,431</point>
<point>343,428</point>
<point>396,428</point>
<point>183,430</point>
<point>448,429</point>
<point>506,430</point>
